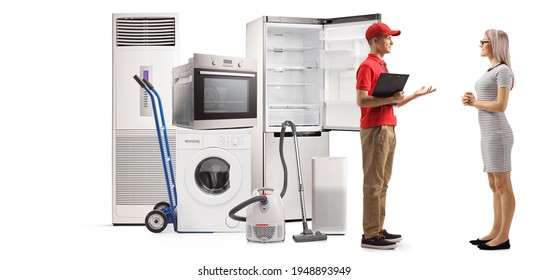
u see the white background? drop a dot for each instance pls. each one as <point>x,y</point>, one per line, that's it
<point>56,146</point>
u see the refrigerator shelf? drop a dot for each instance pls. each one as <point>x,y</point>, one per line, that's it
<point>291,68</point>
<point>350,32</point>
<point>289,84</point>
<point>224,102</point>
<point>301,117</point>
<point>293,107</point>
<point>301,127</point>
<point>292,49</point>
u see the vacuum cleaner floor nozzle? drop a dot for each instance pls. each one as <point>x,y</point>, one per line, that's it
<point>310,236</point>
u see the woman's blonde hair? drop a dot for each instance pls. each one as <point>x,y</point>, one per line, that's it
<point>500,47</point>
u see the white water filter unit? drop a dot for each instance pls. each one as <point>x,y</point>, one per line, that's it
<point>146,45</point>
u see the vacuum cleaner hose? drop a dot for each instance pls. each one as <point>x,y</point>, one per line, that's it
<point>263,199</point>
<point>232,213</point>
<point>281,152</point>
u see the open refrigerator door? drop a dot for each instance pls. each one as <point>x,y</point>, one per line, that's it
<point>345,48</point>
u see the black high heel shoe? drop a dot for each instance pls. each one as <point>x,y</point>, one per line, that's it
<point>502,246</point>
<point>479,241</point>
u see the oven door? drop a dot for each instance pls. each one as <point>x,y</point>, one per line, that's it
<point>224,99</point>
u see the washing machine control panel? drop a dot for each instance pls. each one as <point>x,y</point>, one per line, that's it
<point>232,141</point>
<point>229,141</point>
<point>194,140</point>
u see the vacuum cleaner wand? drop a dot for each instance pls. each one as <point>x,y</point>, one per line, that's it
<point>307,235</point>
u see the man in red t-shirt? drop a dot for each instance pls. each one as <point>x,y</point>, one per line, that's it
<point>377,136</point>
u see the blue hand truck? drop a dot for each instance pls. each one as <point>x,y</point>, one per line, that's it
<point>163,212</point>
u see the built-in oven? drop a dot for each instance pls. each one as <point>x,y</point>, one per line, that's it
<point>215,92</point>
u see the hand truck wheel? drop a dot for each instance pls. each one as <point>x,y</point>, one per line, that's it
<point>156,221</point>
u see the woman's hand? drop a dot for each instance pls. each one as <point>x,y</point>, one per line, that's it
<point>468,99</point>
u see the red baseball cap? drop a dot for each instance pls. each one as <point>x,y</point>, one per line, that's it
<point>378,29</point>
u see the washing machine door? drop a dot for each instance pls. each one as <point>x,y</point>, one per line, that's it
<point>213,176</point>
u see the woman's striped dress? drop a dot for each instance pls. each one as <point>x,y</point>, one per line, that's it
<point>495,131</point>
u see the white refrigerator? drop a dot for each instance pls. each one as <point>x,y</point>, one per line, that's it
<point>306,74</point>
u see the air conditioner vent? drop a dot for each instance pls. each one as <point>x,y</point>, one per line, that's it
<point>145,31</point>
<point>139,172</point>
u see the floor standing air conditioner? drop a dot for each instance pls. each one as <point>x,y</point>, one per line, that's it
<point>146,45</point>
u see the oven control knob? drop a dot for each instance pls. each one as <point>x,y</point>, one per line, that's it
<point>240,65</point>
<point>213,62</point>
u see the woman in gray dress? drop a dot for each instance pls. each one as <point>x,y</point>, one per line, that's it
<point>492,91</point>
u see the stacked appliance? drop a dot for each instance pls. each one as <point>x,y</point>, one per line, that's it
<point>215,92</point>
<point>213,175</point>
<point>147,45</point>
<point>306,74</point>
<point>214,108</point>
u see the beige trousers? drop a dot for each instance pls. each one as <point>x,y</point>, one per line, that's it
<point>378,150</point>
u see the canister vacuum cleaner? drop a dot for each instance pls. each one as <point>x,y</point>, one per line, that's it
<point>265,214</point>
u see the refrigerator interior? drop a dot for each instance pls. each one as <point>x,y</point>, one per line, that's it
<point>310,75</point>
<point>294,80</point>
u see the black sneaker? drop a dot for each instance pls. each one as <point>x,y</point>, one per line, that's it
<point>377,242</point>
<point>390,237</point>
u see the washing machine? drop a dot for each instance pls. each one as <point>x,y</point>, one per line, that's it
<point>213,176</point>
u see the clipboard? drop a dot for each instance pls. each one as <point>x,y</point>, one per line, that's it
<point>389,83</point>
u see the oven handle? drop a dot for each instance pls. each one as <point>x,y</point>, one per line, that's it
<point>234,74</point>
